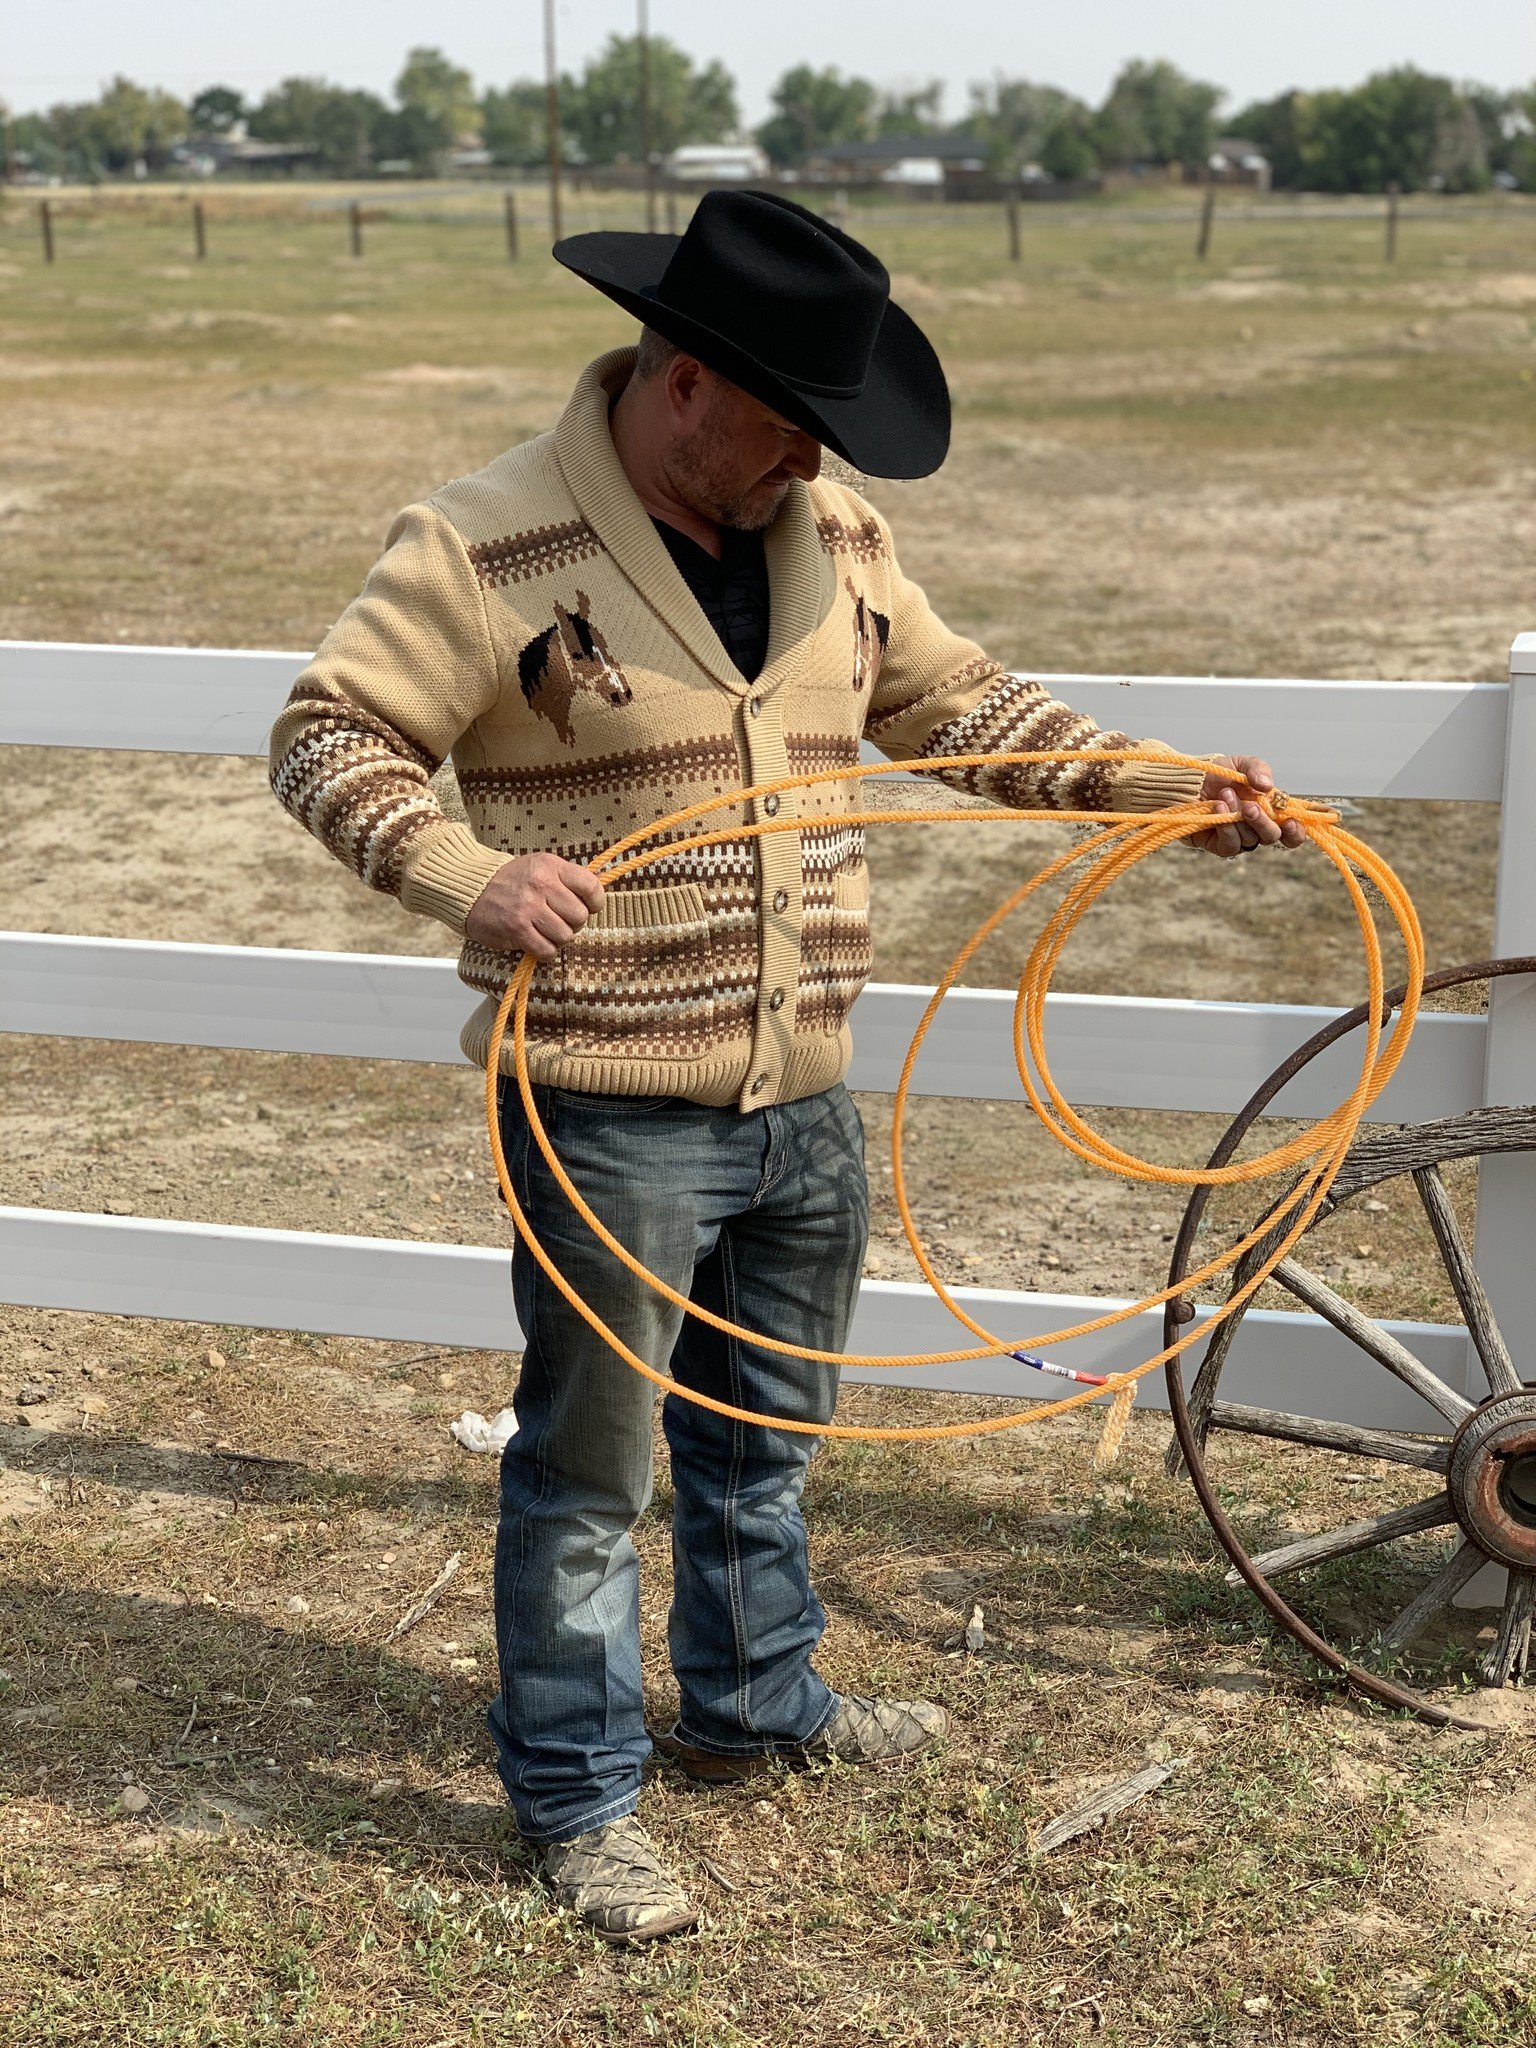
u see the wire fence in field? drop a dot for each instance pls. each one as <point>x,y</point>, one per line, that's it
<point>512,222</point>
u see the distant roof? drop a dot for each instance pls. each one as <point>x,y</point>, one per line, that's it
<point>710,152</point>
<point>244,149</point>
<point>1236,145</point>
<point>893,149</point>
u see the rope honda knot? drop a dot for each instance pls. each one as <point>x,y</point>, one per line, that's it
<point>1119,840</point>
<point>1302,810</point>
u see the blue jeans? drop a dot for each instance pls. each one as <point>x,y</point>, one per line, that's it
<point>762,1218</point>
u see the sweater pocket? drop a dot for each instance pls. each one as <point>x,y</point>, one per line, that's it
<point>834,951</point>
<point>638,978</point>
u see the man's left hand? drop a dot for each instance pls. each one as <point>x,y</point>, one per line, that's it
<point>1250,825</point>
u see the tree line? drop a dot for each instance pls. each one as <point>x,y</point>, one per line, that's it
<point>1402,126</point>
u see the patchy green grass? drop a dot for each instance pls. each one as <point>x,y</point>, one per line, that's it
<point>322,1854</point>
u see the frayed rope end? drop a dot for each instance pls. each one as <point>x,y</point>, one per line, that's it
<point>1116,1423</point>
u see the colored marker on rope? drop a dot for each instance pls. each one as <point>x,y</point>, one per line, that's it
<point>1060,1372</point>
<point>1116,1420</point>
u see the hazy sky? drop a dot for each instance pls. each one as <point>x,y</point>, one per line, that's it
<point>69,50</point>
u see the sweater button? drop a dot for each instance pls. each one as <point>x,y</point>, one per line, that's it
<point>776,1000</point>
<point>770,806</point>
<point>781,900</point>
<point>755,706</point>
<point>759,1084</point>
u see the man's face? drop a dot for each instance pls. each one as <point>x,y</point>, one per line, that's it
<point>731,458</point>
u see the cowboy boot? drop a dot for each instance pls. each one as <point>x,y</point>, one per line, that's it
<point>612,1878</point>
<point>858,1731</point>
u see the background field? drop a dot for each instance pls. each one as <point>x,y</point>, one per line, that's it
<point>1288,460</point>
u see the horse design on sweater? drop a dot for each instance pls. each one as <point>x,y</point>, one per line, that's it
<point>871,631</point>
<point>568,656</point>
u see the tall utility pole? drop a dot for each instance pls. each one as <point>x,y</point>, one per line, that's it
<point>552,117</point>
<point>646,146</point>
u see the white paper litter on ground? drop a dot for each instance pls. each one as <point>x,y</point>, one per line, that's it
<point>476,1434</point>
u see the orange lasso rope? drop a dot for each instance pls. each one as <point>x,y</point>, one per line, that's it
<point>1121,839</point>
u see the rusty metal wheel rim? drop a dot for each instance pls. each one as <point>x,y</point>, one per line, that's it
<point>1179,1310</point>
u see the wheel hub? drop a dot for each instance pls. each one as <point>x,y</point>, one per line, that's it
<point>1492,1478</point>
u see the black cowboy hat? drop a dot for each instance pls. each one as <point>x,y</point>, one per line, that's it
<point>782,303</point>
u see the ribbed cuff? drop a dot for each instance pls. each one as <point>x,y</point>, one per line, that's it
<point>446,869</point>
<point>1153,785</point>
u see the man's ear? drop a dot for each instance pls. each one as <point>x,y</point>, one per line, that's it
<point>685,387</point>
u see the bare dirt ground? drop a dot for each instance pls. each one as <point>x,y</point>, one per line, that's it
<point>222,1802</point>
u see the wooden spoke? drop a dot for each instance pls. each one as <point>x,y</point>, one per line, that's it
<point>1459,1570</point>
<point>1372,1338</point>
<point>1470,1135</point>
<point>1367,1535</point>
<point>1510,1657</point>
<point>1430,1454</point>
<point>1475,1306</point>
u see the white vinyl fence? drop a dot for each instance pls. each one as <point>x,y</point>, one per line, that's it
<point>1475,742</point>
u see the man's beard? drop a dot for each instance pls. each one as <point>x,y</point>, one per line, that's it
<point>703,476</point>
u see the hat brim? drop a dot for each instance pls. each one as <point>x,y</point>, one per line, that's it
<point>897,426</point>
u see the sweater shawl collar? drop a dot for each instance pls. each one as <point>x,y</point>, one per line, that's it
<point>799,578</point>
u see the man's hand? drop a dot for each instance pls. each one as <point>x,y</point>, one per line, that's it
<point>535,904</point>
<point>1250,826</point>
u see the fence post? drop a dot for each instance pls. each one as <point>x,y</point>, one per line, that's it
<point>511,211</point>
<point>1207,215</point>
<point>671,211</point>
<point>199,230</point>
<point>1506,1184</point>
<point>1393,189</point>
<point>45,222</point>
<point>1015,249</point>
<point>357,228</point>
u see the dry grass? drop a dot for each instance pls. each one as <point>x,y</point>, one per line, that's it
<point>1290,461</point>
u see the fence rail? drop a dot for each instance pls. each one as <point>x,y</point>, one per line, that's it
<point>1392,739</point>
<point>1468,741</point>
<point>460,1295</point>
<point>1127,1052</point>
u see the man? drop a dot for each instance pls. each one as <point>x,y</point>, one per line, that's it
<point>661,601</point>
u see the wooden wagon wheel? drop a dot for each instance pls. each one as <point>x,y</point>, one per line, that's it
<point>1478,1458</point>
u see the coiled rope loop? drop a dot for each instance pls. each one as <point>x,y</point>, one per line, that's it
<point>1120,840</point>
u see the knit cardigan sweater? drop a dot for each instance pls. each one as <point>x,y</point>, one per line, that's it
<point>529,621</point>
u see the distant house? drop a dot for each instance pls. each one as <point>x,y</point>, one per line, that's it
<point>716,163</point>
<point>1236,161</point>
<point>896,160</point>
<point>950,164</point>
<point>236,149</point>
<point>915,171</point>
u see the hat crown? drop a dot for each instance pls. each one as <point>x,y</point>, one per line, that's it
<point>811,297</point>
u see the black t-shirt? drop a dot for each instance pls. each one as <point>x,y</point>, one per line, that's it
<point>732,593</point>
